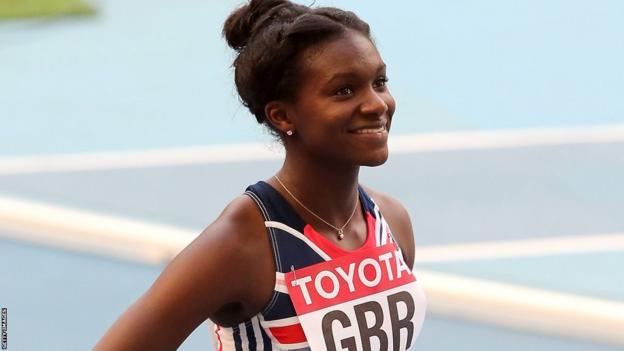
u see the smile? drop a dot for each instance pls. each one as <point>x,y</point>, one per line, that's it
<point>380,129</point>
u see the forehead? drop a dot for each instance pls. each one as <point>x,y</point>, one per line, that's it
<point>352,53</point>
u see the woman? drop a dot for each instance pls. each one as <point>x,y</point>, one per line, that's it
<point>297,261</point>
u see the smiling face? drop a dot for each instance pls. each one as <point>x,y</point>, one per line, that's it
<point>342,109</point>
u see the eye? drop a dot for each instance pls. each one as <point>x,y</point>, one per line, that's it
<point>344,91</point>
<point>381,82</point>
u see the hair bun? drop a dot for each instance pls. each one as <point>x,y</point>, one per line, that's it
<point>243,23</point>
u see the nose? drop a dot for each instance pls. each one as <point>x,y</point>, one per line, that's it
<point>373,103</point>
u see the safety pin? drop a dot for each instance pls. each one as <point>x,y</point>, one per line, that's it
<point>292,269</point>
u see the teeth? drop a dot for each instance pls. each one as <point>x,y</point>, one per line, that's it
<point>370,130</point>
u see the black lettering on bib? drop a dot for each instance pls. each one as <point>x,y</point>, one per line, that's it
<point>328,333</point>
<point>398,324</point>
<point>366,331</point>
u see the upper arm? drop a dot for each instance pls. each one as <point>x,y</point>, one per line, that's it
<point>399,221</point>
<point>208,274</point>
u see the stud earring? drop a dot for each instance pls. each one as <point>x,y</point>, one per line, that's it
<point>289,132</point>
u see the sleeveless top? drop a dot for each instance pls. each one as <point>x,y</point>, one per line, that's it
<point>296,244</point>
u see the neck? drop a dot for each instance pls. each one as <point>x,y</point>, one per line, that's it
<point>330,191</point>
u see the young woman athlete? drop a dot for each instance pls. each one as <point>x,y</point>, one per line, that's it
<point>314,77</point>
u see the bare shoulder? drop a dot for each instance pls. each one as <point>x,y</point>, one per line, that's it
<point>399,221</point>
<point>224,275</point>
<point>234,253</point>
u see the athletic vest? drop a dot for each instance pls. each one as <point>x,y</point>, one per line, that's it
<point>370,300</point>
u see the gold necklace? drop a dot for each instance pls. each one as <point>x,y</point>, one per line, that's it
<point>339,231</point>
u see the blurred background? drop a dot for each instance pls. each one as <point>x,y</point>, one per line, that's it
<point>121,138</point>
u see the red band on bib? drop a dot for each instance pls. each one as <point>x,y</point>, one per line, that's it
<point>346,278</point>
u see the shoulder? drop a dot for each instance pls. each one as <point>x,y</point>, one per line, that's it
<point>233,254</point>
<point>232,232</point>
<point>398,219</point>
<point>238,240</point>
<point>238,222</point>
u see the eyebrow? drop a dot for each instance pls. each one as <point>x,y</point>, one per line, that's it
<point>350,74</point>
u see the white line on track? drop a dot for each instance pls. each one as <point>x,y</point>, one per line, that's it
<point>137,159</point>
<point>91,232</point>
<point>522,308</point>
<point>410,143</point>
<point>520,248</point>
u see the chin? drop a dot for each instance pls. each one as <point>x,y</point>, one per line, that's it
<point>375,159</point>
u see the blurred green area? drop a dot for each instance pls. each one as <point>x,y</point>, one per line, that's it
<point>43,8</point>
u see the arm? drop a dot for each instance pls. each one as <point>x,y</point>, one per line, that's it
<point>195,285</point>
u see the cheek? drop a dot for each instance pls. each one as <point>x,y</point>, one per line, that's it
<point>329,118</point>
<point>315,127</point>
<point>321,121</point>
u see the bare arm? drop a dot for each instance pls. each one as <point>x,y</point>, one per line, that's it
<point>217,269</point>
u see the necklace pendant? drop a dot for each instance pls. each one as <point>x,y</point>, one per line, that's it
<point>340,234</point>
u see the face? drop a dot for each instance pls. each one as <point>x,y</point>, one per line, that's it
<point>343,108</point>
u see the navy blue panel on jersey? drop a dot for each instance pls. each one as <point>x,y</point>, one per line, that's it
<point>281,308</point>
<point>294,252</point>
<point>277,207</point>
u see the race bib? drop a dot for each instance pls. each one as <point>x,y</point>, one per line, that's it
<point>369,300</point>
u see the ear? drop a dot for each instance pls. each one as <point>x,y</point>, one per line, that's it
<point>277,114</point>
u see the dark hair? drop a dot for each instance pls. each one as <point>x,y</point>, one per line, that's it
<point>269,36</point>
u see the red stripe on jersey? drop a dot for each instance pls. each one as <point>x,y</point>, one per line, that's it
<point>290,334</point>
<point>333,250</point>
